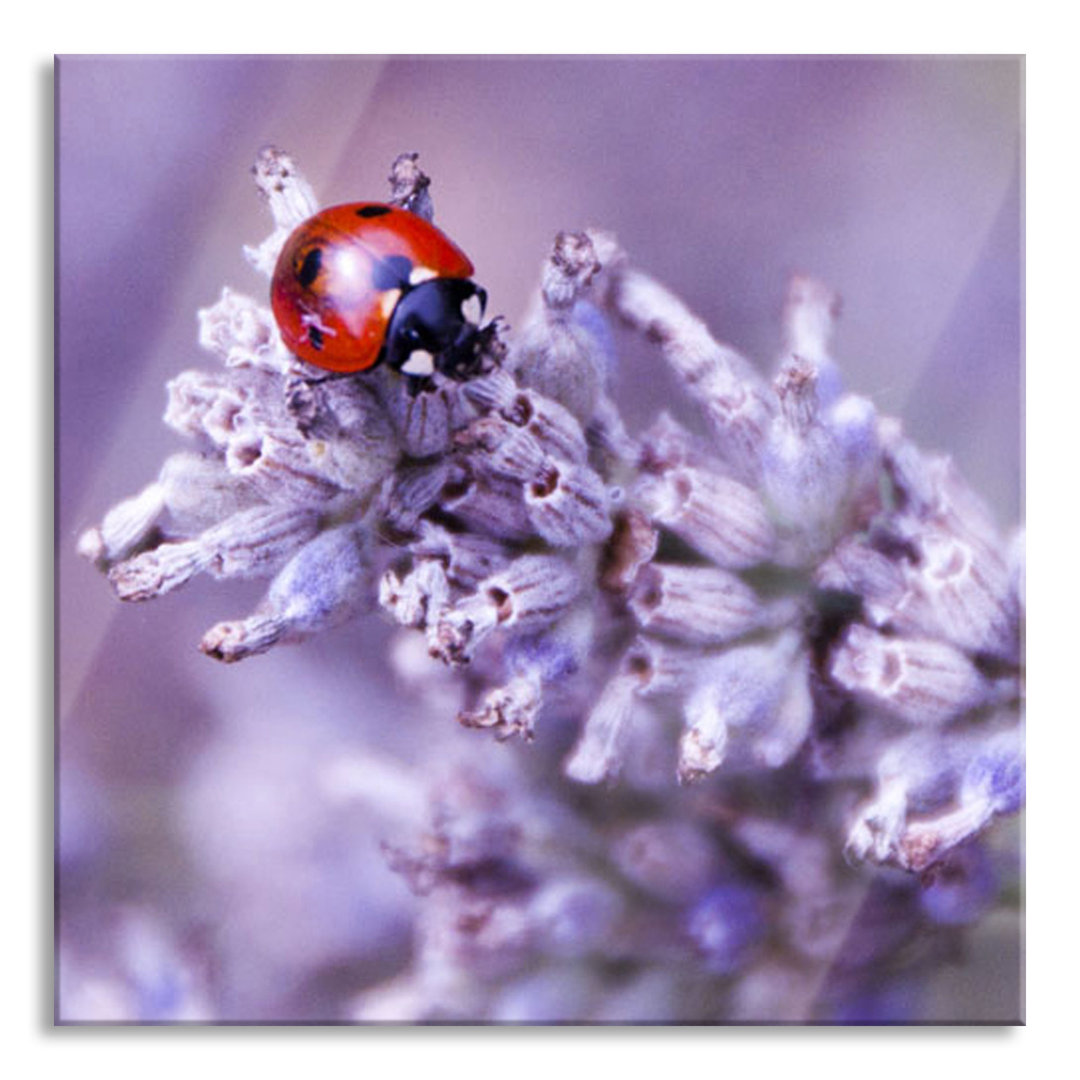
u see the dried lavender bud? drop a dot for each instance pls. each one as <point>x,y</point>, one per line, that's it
<point>600,747</point>
<point>291,201</point>
<point>533,590</point>
<point>242,333</point>
<point>741,688</point>
<point>204,404</point>
<point>409,186</point>
<point>505,450</point>
<point>200,491</point>
<point>467,557</point>
<point>245,414</point>
<point>811,310</point>
<point>410,491</point>
<point>555,428</point>
<point>858,568</point>
<point>807,478</point>
<point>249,544</point>
<point>725,520</point>
<point>324,584</point>
<point>555,652</point>
<point>931,489</point>
<point>124,528</point>
<point>420,598</point>
<point>557,349</point>
<point>699,604</point>
<point>569,506</point>
<point>960,593</point>
<point>663,667</point>
<point>920,681</point>
<point>718,378</point>
<point>486,504</point>
<point>423,420</point>
<point>996,772</point>
<point>508,710</point>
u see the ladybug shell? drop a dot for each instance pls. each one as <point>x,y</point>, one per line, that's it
<point>341,273</point>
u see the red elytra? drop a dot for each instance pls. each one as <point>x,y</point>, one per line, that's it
<point>341,273</point>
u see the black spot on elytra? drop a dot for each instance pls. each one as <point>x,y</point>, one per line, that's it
<point>391,273</point>
<point>315,337</point>
<point>310,267</point>
<point>372,211</point>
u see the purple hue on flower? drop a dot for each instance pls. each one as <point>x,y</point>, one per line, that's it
<point>726,925</point>
<point>721,798</point>
<point>961,888</point>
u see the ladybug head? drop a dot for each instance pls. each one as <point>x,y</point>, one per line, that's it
<point>435,327</point>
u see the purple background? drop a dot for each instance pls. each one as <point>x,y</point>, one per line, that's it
<point>897,181</point>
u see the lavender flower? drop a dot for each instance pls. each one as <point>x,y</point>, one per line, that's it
<point>763,665</point>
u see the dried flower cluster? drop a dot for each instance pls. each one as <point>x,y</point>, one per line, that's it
<point>791,600</point>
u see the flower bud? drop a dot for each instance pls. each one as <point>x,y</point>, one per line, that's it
<point>569,506</point>
<point>806,477</point>
<point>508,710</point>
<point>242,333</point>
<point>742,688</point>
<point>724,520</point>
<point>920,681</point>
<point>504,449</point>
<point>932,489</point>
<point>599,751</point>
<point>856,567</point>
<point>124,528</point>
<point>532,590</point>
<point>200,492</point>
<point>423,420</point>
<point>811,310</point>
<point>249,544</point>
<point>467,557</point>
<point>698,604</point>
<point>486,504</point>
<point>327,581</point>
<point>724,383</point>
<point>960,592</point>
<point>418,599</point>
<point>996,772</point>
<point>411,490</point>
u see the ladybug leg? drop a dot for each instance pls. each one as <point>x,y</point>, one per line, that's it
<point>318,380</point>
<point>415,385</point>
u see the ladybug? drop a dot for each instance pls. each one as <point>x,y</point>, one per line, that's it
<point>364,283</point>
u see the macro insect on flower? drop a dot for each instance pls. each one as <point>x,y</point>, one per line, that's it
<point>754,662</point>
<point>365,283</point>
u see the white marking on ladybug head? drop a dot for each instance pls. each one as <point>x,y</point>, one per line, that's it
<point>472,311</point>
<point>421,273</point>
<point>420,363</point>
<point>388,301</point>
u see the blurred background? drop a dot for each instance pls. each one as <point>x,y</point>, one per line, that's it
<point>184,803</point>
